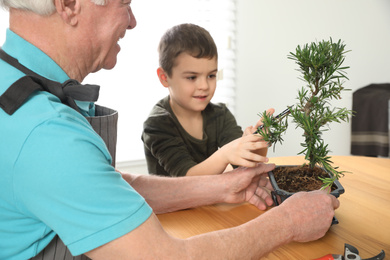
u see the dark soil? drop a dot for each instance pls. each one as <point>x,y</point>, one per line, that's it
<point>299,178</point>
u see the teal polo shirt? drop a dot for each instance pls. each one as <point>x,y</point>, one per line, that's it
<point>55,171</point>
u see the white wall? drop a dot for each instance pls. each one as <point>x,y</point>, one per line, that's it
<point>3,25</point>
<point>269,30</point>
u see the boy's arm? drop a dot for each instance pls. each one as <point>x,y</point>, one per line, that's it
<point>246,151</point>
<point>165,145</point>
<point>243,151</point>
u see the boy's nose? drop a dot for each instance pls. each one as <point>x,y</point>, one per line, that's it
<point>204,84</point>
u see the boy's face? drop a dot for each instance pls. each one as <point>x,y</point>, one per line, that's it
<point>192,84</point>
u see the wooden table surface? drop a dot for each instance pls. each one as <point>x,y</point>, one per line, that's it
<point>364,213</point>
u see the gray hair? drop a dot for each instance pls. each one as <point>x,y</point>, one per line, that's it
<point>41,7</point>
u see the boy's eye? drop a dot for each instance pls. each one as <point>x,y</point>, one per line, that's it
<point>212,76</point>
<point>191,78</point>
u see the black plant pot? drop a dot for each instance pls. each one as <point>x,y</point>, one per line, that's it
<point>279,195</point>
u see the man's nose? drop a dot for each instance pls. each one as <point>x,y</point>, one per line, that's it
<point>133,21</point>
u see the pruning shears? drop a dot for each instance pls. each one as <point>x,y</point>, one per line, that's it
<point>350,252</point>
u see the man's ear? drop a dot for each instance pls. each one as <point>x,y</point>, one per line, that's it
<point>68,10</point>
<point>162,76</point>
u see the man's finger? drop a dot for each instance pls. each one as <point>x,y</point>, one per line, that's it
<point>335,201</point>
<point>264,167</point>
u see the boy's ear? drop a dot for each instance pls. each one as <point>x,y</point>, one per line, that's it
<point>68,10</point>
<point>162,76</point>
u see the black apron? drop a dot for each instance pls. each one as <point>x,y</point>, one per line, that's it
<point>104,123</point>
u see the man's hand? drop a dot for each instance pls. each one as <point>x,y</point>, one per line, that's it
<point>310,214</point>
<point>249,184</point>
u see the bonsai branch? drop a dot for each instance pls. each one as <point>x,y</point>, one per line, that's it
<point>320,65</point>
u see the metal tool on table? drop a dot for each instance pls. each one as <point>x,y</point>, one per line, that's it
<point>350,252</point>
<point>279,116</point>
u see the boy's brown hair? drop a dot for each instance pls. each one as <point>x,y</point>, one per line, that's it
<point>188,38</point>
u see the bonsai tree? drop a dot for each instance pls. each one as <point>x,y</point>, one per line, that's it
<point>320,65</point>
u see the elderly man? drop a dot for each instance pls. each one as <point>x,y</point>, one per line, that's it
<point>58,185</point>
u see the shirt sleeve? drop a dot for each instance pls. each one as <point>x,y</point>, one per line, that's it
<point>63,179</point>
<point>228,130</point>
<point>166,145</point>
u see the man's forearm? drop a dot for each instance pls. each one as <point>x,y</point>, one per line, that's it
<point>251,240</point>
<point>167,194</point>
<point>305,216</point>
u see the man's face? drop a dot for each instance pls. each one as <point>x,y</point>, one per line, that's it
<point>193,83</point>
<point>105,26</point>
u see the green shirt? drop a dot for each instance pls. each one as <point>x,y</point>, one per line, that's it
<point>171,151</point>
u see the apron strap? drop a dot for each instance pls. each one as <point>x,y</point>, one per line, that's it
<point>20,90</point>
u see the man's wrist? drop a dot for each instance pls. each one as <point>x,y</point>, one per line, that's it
<point>221,188</point>
<point>285,223</point>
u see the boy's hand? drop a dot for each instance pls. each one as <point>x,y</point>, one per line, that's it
<point>244,151</point>
<point>248,150</point>
<point>263,151</point>
<point>252,129</point>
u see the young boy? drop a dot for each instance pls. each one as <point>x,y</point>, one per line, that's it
<point>186,134</point>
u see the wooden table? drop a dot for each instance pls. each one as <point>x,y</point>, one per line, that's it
<point>364,213</point>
